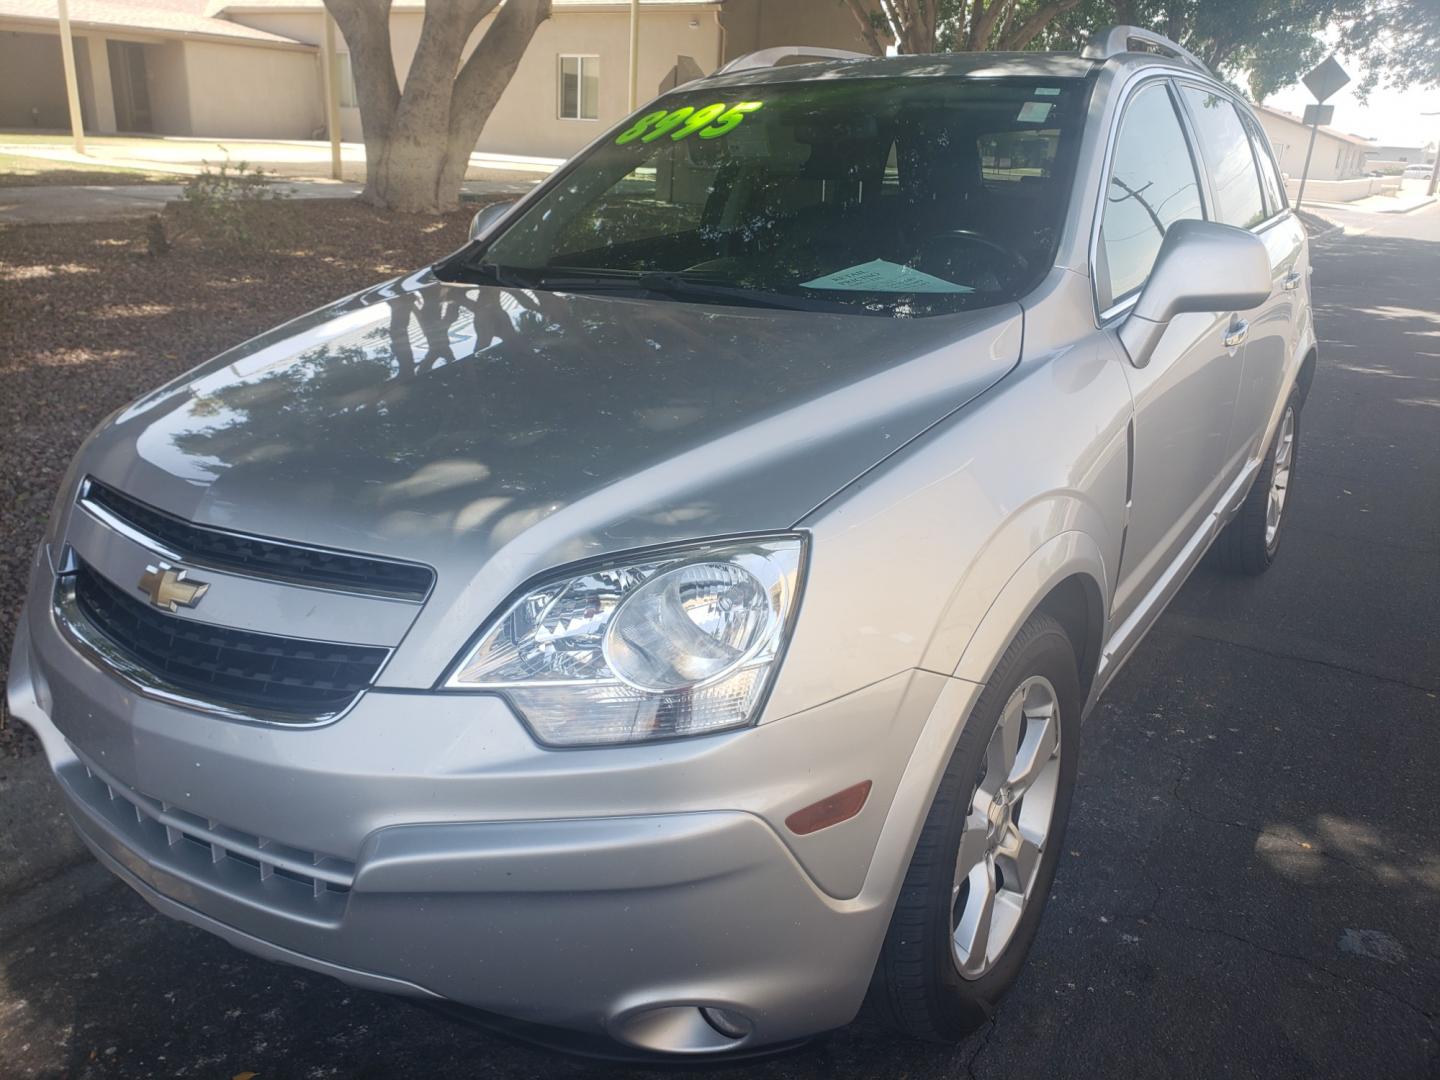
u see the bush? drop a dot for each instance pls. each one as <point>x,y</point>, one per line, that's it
<point>219,206</point>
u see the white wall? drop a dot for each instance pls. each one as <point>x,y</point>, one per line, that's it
<point>167,76</point>
<point>1334,191</point>
<point>1334,158</point>
<point>244,91</point>
<point>526,120</point>
<point>32,81</point>
<point>759,24</point>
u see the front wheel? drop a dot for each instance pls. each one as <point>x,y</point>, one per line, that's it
<point>977,883</point>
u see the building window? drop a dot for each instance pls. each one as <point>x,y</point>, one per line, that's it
<point>579,87</point>
<point>345,76</point>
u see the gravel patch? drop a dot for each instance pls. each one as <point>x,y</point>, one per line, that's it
<point>89,322</point>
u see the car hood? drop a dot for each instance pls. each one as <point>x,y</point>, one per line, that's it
<point>494,432</point>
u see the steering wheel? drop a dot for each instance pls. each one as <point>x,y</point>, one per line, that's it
<point>970,236</point>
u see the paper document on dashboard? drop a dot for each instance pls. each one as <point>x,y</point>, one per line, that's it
<point>878,275</point>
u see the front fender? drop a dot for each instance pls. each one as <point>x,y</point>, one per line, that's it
<point>1063,556</point>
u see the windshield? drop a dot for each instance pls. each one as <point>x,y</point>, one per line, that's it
<point>898,197</point>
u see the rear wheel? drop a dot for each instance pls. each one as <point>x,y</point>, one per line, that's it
<point>1251,541</point>
<point>982,869</point>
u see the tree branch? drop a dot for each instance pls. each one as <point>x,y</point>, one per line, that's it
<point>982,26</point>
<point>1030,29</point>
<point>867,26</point>
<point>365,25</point>
<point>487,72</point>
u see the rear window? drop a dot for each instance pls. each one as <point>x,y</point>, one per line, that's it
<point>899,197</point>
<point>1269,175</point>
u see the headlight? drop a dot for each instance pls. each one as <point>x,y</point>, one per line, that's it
<point>678,643</point>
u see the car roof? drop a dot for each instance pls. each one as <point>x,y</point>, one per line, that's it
<point>1044,65</point>
<point>980,65</point>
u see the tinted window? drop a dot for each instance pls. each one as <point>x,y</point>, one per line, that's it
<point>1007,156</point>
<point>1269,175</point>
<point>900,197</point>
<point>1225,148</point>
<point>1152,185</point>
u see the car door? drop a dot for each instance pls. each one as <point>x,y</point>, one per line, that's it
<point>1248,196</point>
<point>1184,398</point>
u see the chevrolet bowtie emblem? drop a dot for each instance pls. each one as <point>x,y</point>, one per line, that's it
<point>166,587</point>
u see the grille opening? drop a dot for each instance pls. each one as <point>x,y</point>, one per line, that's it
<point>164,833</point>
<point>257,556</point>
<point>283,678</point>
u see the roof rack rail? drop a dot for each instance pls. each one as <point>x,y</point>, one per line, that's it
<point>1114,40</point>
<point>765,58</point>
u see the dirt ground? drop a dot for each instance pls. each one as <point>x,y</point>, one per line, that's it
<point>89,321</point>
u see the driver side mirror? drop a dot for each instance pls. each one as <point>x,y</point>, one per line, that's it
<point>1201,266</point>
<point>486,217</point>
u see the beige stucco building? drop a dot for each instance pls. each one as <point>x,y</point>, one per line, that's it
<point>251,69</point>
<point>1337,156</point>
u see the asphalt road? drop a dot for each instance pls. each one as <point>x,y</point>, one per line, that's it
<point>1252,878</point>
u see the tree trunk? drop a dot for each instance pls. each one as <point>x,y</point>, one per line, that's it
<point>418,141</point>
<point>867,17</point>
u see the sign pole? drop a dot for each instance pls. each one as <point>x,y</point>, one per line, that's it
<point>1305,172</point>
<point>331,77</point>
<point>1434,169</point>
<point>1322,82</point>
<point>634,54</point>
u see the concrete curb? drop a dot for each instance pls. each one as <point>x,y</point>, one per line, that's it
<point>1317,227</point>
<point>1427,201</point>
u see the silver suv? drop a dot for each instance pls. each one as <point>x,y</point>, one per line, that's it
<point>671,617</point>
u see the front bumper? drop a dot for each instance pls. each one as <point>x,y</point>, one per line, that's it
<point>425,845</point>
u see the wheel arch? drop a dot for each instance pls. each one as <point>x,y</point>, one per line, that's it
<point>1305,377</point>
<point>1065,578</point>
<point>1077,604</point>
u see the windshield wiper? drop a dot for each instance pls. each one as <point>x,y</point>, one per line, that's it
<point>488,273</point>
<point>679,286</point>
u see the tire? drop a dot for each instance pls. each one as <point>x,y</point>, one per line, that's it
<point>1248,545</point>
<point>918,987</point>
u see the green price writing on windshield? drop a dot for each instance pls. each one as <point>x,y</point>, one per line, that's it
<point>711,122</point>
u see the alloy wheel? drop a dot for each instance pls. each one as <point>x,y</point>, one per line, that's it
<point>1006,827</point>
<point>1280,476</point>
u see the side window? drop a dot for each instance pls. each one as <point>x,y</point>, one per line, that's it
<point>1269,175</point>
<point>1152,185</point>
<point>1225,148</point>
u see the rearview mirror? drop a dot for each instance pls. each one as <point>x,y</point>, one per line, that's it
<point>1202,266</point>
<point>487,216</point>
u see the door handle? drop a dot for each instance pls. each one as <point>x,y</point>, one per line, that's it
<point>1236,334</point>
<point>1291,281</point>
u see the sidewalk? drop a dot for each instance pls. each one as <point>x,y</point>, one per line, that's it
<point>51,204</point>
<point>292,159</point>
<point>1411,197</point>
